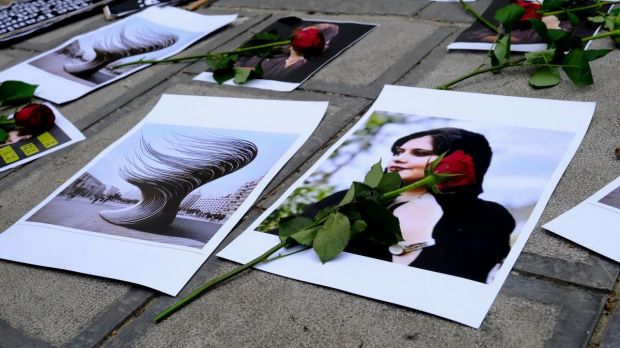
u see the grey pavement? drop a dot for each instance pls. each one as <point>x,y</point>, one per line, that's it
<point>558,294</point>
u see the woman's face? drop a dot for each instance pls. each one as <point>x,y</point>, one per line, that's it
<point>411,158</point>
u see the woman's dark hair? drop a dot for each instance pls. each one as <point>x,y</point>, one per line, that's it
<point>447,140</point>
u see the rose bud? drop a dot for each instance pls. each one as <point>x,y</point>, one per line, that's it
<point>530,10</point>
<point>34,119</point>
<point>308,41</point>
<point>457,163</point>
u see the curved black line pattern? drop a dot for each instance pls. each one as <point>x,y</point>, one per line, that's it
<point>115,47</point>
<point>166,179</point>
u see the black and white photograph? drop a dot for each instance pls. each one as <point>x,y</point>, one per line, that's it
<point>167,184</point>
<point>152,206</point>
<point>87,61</point>
<point>90,60</point>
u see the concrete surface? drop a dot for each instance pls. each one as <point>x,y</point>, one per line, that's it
<point>558,295</point>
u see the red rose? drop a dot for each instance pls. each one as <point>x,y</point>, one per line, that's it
<point>456,163</point>
<point>308,41</point>
<point>34,118</point>
<point>530,9</point>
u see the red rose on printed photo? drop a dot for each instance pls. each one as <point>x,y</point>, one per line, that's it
<point>308,41</point>
<point>530,8</point>
<point>458,163</point>
<point>34,118</point>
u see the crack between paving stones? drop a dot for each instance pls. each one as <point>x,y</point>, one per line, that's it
<point>561,282</point>
<point>129,319</point>
<point>602,323</point>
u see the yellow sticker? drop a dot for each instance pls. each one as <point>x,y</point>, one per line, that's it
<point>8,155</point>
<point>29,149</point>
<point>47,140</point>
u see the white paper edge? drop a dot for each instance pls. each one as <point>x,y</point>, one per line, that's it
<point>470,304</point>
<point>164,267</point>
<point>67,127</point>
<point>485,46</point>
<point>49,83</point>
<point>592,224</point>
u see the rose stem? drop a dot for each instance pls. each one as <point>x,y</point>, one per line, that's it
<point>213,282</point>
<point>510,63</point>
<point>180,59</point>
<point>580,8</point>
<point>479,17</point>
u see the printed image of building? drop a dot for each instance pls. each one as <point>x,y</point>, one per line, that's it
<point>85,186</point>
<point>189,201</point>
<point>235,200</point>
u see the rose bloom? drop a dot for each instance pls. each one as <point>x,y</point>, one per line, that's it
<point>530,8</point>
<point>34,119</point>
<point>460,163</point>
<point>308,41</point>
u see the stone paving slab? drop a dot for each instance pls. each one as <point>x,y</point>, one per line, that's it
<point>267,310</point>
<point>392,7</point>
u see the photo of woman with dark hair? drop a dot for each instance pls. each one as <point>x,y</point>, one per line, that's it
<point>453,232</point>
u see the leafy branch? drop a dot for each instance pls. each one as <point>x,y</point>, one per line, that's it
<point>361,214</point>
<point>566,51</point>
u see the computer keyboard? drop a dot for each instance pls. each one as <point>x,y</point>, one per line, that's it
<point>23,17</point>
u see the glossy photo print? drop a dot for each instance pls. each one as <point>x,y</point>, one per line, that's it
<point>524,37</point>
<point>464,233</point>
<point>287,68</point>
<point>166,184</point>
<point>152,206</point>
<point>86,62</point>
<point>594,222</point>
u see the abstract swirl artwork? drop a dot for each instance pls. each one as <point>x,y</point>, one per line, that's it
<point>166,176</point>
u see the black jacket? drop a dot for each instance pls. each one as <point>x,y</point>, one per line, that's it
<point>471,237</point>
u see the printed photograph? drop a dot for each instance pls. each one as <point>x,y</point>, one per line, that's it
<point>465,230</point>
<point>89,59</point>
<point>167,184</point>
<point>291,65</point>
<point>524,33</point>
<point>612,199</point>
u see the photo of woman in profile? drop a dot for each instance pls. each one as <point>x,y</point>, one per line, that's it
<point>283,65</point>
<point>453,232</point>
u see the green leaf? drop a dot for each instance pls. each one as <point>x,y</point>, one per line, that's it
<point>383,226</point>
<point>389,182</point>
<point>358,227</point>
<point>290,226</point>
<point>552,5</point>
<point>16,92</point>
<point>242,75</point>
<point>540,57</point>
<point>577,67</point>
<point>305,237</point>
<point>332,237</point>
<point>222,75</point>
<point>572,18</point>
<point>556,35</point>
<point>596,19</point>
<point>509,16</point>
<point>218,62</point>
<point>349,196</point>
<point>373,177</point>
<point>545,76</point>
<point>541,29</point>
<point>4,135</point>
<point>501,51</point>
<point>596,54</point>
